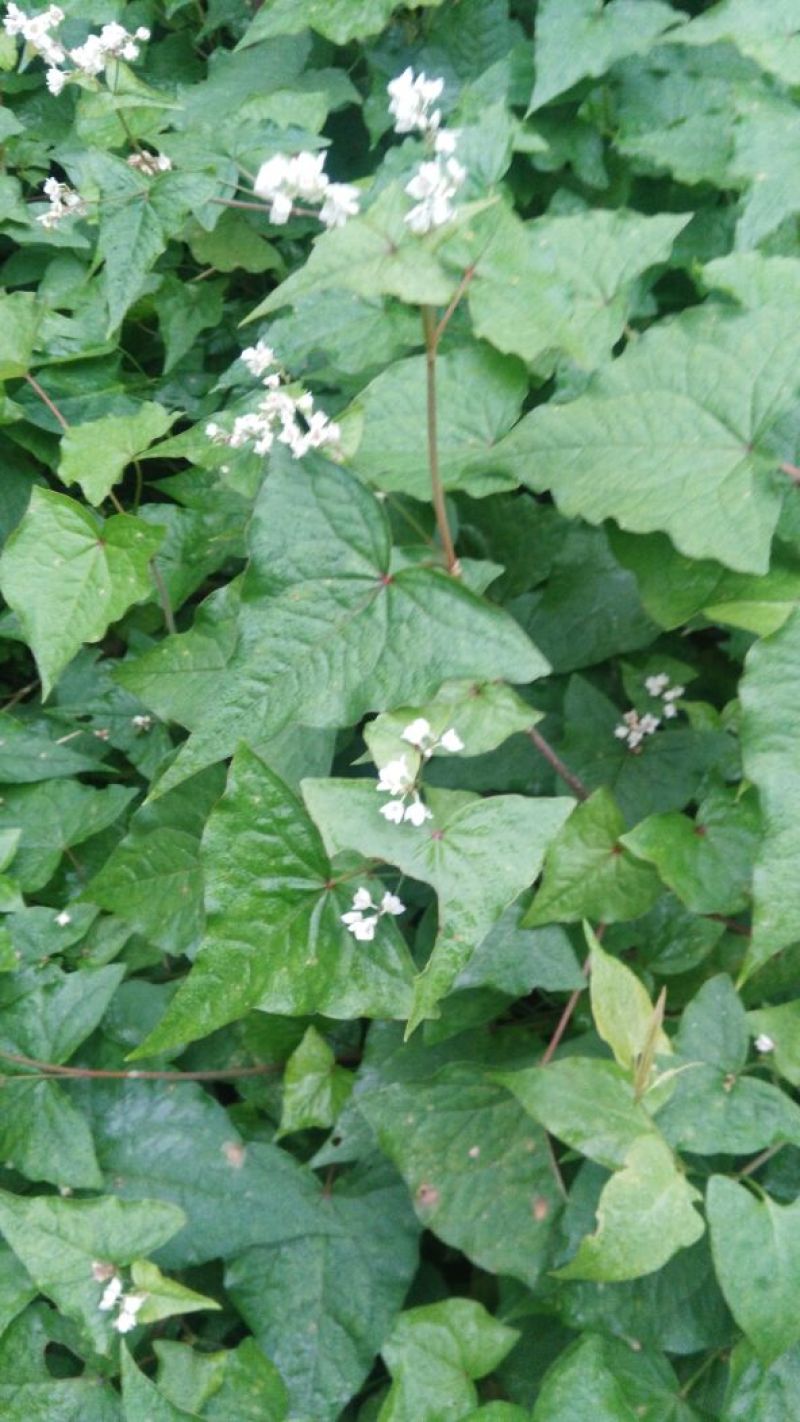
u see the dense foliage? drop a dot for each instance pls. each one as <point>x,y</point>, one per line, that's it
<point>400,662</point>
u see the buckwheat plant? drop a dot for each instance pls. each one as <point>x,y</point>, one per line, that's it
<point>399,710</point>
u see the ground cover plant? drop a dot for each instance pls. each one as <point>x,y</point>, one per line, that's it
<point>399,744</point>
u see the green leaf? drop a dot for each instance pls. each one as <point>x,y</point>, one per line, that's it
<point>54,817</point>
<point>679,435</point>
<point>587,872</point>
<point>164,1297</point>
<point>563,284</point>
<point>587,1102</point>
<point>706,862</point>
<point>28,1390</point>
<point>484,714</point>
<point>314,1088</point>
<point>435,1354</point>
<point>274,936</point>
<point>605,1380</point>
<point>758,1394</point>
<point>584,573</point>
<point>623,1013</point>
<point>338,20</point>
<point>505,835</point>
<point>327,629</point>
<point>480,396</point>
<point>153,880</point>
<point>57,1241</point>
<point>782,1025</point>
<point>577,38</point>
<point>20,315</point>
<point>769,39</point>
<point>27,754</point>
<point>479,1173</point>
<point>757,1255</point>
<point>239,1382</point>
<point>131,237</point>
<point>68,575</point>
<point>374,255</point>
<point>142,1399</point>
<point>45,1137</point>
<point>338,1292</point>
<point>772,761</point>
<point>95,455</point>
<point>715,1107</point>
<point>645,1214</point>
<point>182,1146</point>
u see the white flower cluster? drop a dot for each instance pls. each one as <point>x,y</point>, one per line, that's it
<point>150,163</point>
<point>362,919</point>
<point>633,728</point>
<point>114,1297</point>
<point>278,415</point>
<point>436,182</point>
<point>763,1043</point>
<point>282,180</point>
<point>88,59</point>
<point>64,202</point>
<point>659,686</point>
<point>419,735</point>
<point>396,778</point>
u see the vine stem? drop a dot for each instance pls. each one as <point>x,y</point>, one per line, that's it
<point>45,399</point>
<point>432,332</point>
<point>572,1002</point>
<point>544,748</point>
<point>792,470</point>
<point>50,1069</point>
<point>163,597</point>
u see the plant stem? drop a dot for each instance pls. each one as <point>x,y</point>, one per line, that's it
<point>431,330</point>
<point>45,399</point>
<point>163,597</point>
<point>790,469</point>
<point>572,1002</point>
<point>758,1161</point>
<point>89,1073</point>
<point>544,748</point>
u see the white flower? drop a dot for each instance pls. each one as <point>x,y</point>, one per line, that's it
<point>649,724</point>
<point>305,176</point>
<point>35,31</point>
<point>111,1294</point>
<point>390,903</point>
<point>63,918</point>
<point>395,778</point>
<point>142,722</point>
<point>763,1043</point>
<point>670,710</point>
<point>55,79</point>
<point>656,684</point>
<point>150,163</point>
<point>633,728</point>
<point>674,692</point>
<point>126,1318</point>
<point>339,204</point>
<point>393,811</point>
<point>416,813</point>
<point>445,141</point>
<point>451,741</point>
<point>433,186</point>
<point>64,202</point>
<point>258,358</point>
<point>363,927</point>
<point>410,100</point>
<point>417,732</point>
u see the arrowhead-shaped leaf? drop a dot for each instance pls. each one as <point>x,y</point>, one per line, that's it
<point>756,1247</point>
<point>327,627</point>
<point>478,857</point>
<point>274,936</point>
<point>67,575</point>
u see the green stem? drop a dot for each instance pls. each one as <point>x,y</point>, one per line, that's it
<point>431,329</point>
